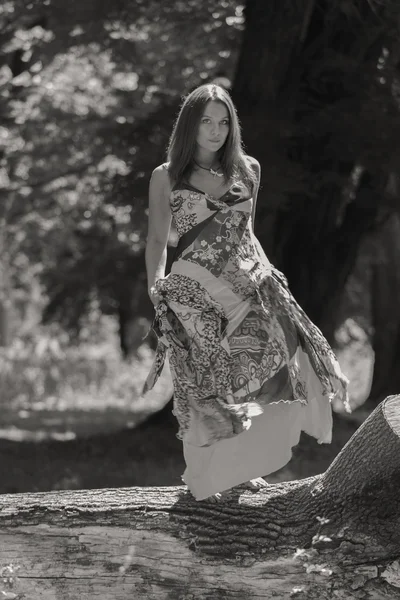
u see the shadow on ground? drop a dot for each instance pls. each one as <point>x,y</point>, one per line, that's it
<point>150,454</point>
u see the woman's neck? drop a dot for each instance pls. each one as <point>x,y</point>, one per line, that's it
<point>205,158</point>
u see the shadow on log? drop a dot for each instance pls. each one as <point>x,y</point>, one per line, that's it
<point>332,536</point>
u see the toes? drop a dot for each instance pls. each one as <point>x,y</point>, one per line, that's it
<point>258,483</point>
<point>215,498</point>
<point>263,483</point>
<point>252,484</point>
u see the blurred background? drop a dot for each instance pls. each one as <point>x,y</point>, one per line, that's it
<point>89,92</point>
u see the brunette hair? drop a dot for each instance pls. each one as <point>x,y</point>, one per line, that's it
<point>182,143</point>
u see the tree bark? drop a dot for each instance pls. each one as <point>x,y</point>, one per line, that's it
<point>333,536</point>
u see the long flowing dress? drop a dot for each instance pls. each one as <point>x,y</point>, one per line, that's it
<point>250,370</point>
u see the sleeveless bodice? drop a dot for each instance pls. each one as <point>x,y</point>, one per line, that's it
<point>216,234</point>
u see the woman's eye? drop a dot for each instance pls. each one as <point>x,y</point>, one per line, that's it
<point>207,121</point>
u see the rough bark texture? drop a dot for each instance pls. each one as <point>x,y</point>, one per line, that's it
<point>305,69</point>
<point>333,536</point>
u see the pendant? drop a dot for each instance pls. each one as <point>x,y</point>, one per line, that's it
<point>215,173</point>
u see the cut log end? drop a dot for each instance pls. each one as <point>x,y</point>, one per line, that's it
<point>391,410</point>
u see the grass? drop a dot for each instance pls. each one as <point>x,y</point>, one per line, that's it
<point>54,391</point>
<point>72,417</point>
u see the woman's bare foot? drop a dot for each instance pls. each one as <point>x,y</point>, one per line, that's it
<point>215,498</point>
<point>257,483</point>
<point>253,484</point>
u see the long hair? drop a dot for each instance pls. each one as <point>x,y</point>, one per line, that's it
<point>182,143</point>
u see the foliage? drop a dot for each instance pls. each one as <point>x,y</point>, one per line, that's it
<point>84,87</point>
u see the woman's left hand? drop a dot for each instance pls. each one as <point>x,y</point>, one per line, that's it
<point>155,297</point>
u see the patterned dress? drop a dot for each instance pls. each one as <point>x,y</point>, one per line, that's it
<point>250,370</point>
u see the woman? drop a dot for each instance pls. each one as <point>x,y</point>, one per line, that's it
<point>250,370</point>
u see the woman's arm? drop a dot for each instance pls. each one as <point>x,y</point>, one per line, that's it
<point>255,165</point>
<point>159,224</point>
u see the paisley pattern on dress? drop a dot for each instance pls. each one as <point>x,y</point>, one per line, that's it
<point>229,323</point>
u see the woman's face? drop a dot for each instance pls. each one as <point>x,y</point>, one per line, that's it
<point>213,127</point>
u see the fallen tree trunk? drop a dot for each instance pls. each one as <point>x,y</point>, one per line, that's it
<point>333,536</point>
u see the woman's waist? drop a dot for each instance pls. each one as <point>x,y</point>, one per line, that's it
<point>249,269</point>
<point>229,285</point>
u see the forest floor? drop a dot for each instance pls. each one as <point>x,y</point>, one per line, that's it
<point>98,439</point>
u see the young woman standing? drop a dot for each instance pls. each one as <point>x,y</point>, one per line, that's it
<point>250,370</point>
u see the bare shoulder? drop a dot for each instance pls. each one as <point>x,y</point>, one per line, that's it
<point>161,173</point>
<point>254,164</point>
<point>160,178</point>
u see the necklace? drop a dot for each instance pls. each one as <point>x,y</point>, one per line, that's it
<point>211,170</point>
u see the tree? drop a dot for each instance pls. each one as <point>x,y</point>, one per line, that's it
<point>78,83</point>
<point>335,535</point>
<point>316,90</point>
